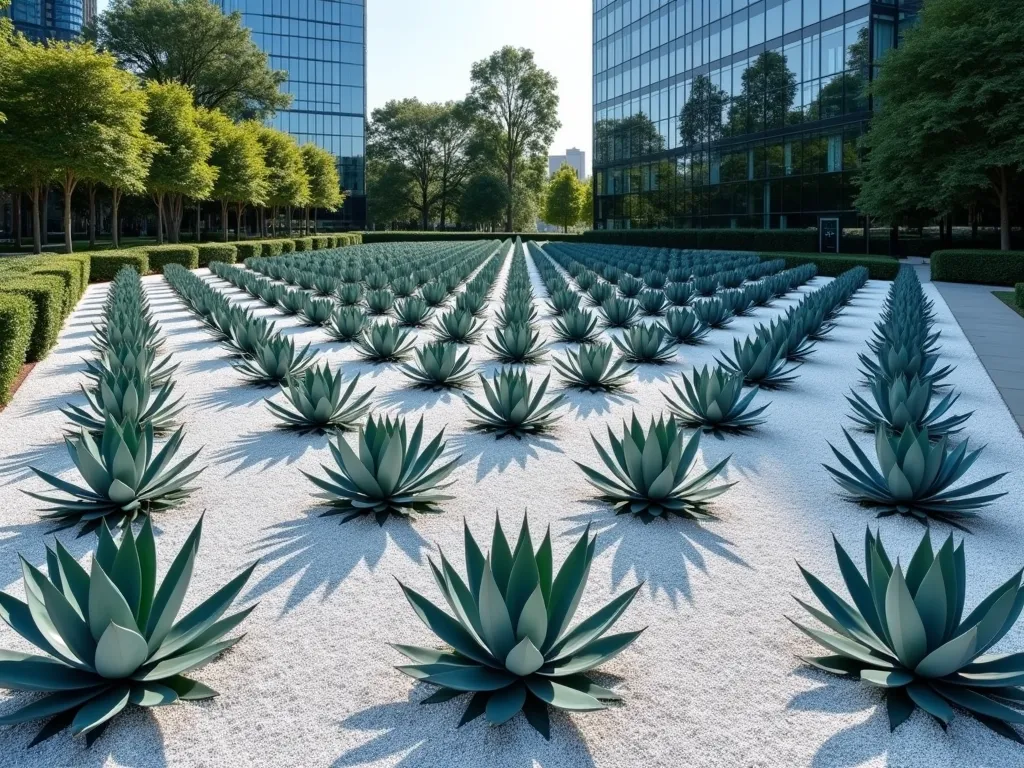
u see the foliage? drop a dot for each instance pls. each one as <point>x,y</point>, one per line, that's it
<point>47,294</point>
<point>509,642</point>
<point>17,318</point>
<point>385,343</point>
<point>483,200</point>
<point>286,172</point>
<point>324,183</point>
<point>238,157</point>
<point>591,368</point>
<point>512,406</point>
<point>565,198</point>
<point>985,267</point>
<point>713,399</point>
<point>274,361</point>
<point>646,344</point>
<point>319,401</point>
<point>439,365</point>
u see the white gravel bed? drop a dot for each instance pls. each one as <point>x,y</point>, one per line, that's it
<point>715,679</point>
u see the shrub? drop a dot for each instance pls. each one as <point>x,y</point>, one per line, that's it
<point>271,248</point>
<point>162,255</point>
<point>320,242</point>
<point>833,265</point>
<point>107,264</point>
<point>800,240</point>
<point>225,253</point>
<point>47,293</point>
<point>303,244</point>
<point>73,272</point>
<point>405,237</point>
<point>1018,295</point>
<point>288,246</point>
<point>17,318</point>
<point>985,267</point>
<point>249,250</point>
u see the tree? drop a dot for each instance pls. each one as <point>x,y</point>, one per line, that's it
<point>700,121</point>
<point>387,193</point>
<point>766,96</point>
<point>288,185</point>
<point>69,109</point>
<point>516,106</point>
<point>587,209</point>
<point>238,158</point>
<point>454,137</point>
<point>180,165</point>
<point>193,43</point>
<point>324,182</point>
<point>565,199</point>
<point>949,106</point>
<point>483,200</point>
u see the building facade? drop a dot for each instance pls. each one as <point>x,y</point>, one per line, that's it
<point>575,158</point>
<point>322,46</point>
<point>51,19</point>
<point>734,113</point>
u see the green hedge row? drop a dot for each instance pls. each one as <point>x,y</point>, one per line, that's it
<point>791,240</point>
<point>17,319</point>
<point>984,267</point>
<point>1018,295</point>
<point>160,256</point>
<point>106,264</point>
<point>405,237</point>
<point>210,252</point>
<point>833,265</point>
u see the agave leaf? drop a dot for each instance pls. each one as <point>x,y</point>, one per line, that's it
<point>119,652</point>
<point>99,710</point>
<point>562,696</point>
<point>504,704</point>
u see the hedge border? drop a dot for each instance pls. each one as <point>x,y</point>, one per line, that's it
<point>982,267</point>
<point>426,235</point>
<point>17,321</point>
<point>224,252</point>
<point>159,256</point>
<point>47,293</point>
<point>833,265</point>
<point>106,264</point>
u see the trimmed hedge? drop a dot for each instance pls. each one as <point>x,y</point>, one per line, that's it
<point>833,265</point>
<point>791,240</point>
<point>161,255</point>
<point>1018,294</point>
<point>320,242</point>
<point>303,244</point>
<point>17,318</point>
<point>405,237</point>
<point>984,267</point>
<point>223,252</point>
<point>106,264</point>
<point>247,250</point>
<point>47,293</point>
<point>73,270</point>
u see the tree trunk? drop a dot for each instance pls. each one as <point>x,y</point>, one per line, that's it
<point>316,221</point>
<point>92,215</point>
<point>16,215</point>
<point>69,191</point>
<point>115,229</point>
<point>224,220</point>
<point>199,220</point>
<point>509,179</point>
<point>159,197</point>
<point>44,229</point>
<point>974,224</point>
<point>37,236</point>
<point>239,208</point>
<point>423,210</point>
<point>1003,192</point>
<point>289,230</point>
<point>444,204</point>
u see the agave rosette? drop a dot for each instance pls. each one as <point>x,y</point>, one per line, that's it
<point>576,327</point>
<point>385,343</point>
<point>346,324</point>
<point>713,399</point>
<point>320,401</point>
<point>509,642</point>
<point>620,313</point>
<point>517,343</point>
<point>439,365</point>
<point>458,326</point>
<point>646,344</point>
<point>511,406</point>
<point>413,312</point>
<point>592,369</point>
<point>316,311</point>
<point>905,634</point>
<point>273,362</point>
<point>759,362</point>
<point>906,402</point>
<point>683,326</point>
<point>126,396</point>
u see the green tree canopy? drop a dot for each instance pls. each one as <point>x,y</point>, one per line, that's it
<point>181,164</point>
<point>701,119</point>
<point>516,106</point>
<point>949,109</point>
<point>193,43</point>
<point>387,193</point>
<point>483,200</point>
<point>286,172</point>
<point>238,158</point>
<point>324,183</point>
<point>565,198</point>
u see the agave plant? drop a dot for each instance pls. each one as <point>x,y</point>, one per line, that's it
<point>404,286</point>
<point>518,343</point>
<point>390,475</point>
<point>376,280</point>
<point>249,332</point>
<point>893,362</point>
<point>759,362</point>
<point>906,402</point>
<point>713,399</point>
<point>914,477</point>
<point>350,294</point>
<point>380,302</point>
<point>458,326</point>
<point>346,324</point>
<point>291,302</point>
<point>124,478</point>
<point>434,293</point>
<point>512,406</point>
<point>905,633</point>
<point>713,313</point>
<point>325,285</point>
<point>591,368</point>
<point>385,343</point>
<point>474,302</point>
<point>653,303</point>
<point>683,327</point>
<point>509,642</point>
<point>316,311</point>
<point>130,359</point>
<point>126,396</point>
<point>649,472</point>
<point>620,313</point>
<point>274,361</point>
<point>516,313</point>
<point>599,293</point>
<point>319,401</point>
<point>107,637</point>
<point>679,294</point>
<point>576,327</point>
<point>412,312</point>
<point>563,301</point>
<point>439,365</point>
<point>630,287</point>
<point>646,344</point>
<point>705,285</point>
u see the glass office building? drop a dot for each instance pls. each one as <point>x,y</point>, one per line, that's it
<point>734,113</point>
<point>49,19</point>
<point>322,45</point>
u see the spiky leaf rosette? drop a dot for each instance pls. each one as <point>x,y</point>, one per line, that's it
<point>600,293</point>
<point>413,312</point>
<point>713,399</point>
<point>274,361</point>
<point>653,303</point>
<point>391,474</point>
<point>474,302</point>
<point>620,313</point>
<point>458,326</point>
<point>512,407</point>
<point>759,362</point>
<point>350,294</point>
<point>380,302</point>
<point>683,326</point>
<point>649,472</point>
<point>905,402</point>
<point>439,365</point>
<point>905,634</point>
<point>346,324</point>
<point>108,637</point>
<point>509,642</point>
<point>316,311</point>
<point>576,327</point>
<point>291,302</point>
<point>385,343</point>
<point>591,368</point>
<point>126,396</point>
<point>630,287</point>
<point>679,294</point>
<point>123,476</point>
<point>646,344</point>
<point>435,293</point>
<point>516,313</point>
<point>247,332</point>
<point>713,313</point>
<point>914,477</point>
<point>892,362</point>
<point>518,343</point>
<point>789,337</point>
<point>131,359</point>
<point>563,301</point>
<point>319,401</point>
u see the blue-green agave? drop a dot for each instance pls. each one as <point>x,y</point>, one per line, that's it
<point>319,401</point>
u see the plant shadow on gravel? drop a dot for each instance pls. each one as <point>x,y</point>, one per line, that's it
<point>268,448</point>
<point>134,737</point>
<point>322,552</point>
<point>428,736</point>
<point>682,544</point>
<point>410,400</point>
<point>586,404</point>
<point>499,455</point>
<point>49,457</point>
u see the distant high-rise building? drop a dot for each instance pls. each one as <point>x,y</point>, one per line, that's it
<point>50,19</point>
<point>322,45</point>
<point>576,158</point>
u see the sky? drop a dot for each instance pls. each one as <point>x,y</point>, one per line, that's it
<point>425,48</point>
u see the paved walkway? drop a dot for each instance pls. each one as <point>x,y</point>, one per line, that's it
<point>995,331</point>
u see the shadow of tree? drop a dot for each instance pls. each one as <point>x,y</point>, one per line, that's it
<point>49,457</point>
<point>321,552</point>
<point>684,546</point>
<point>498,455</point>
